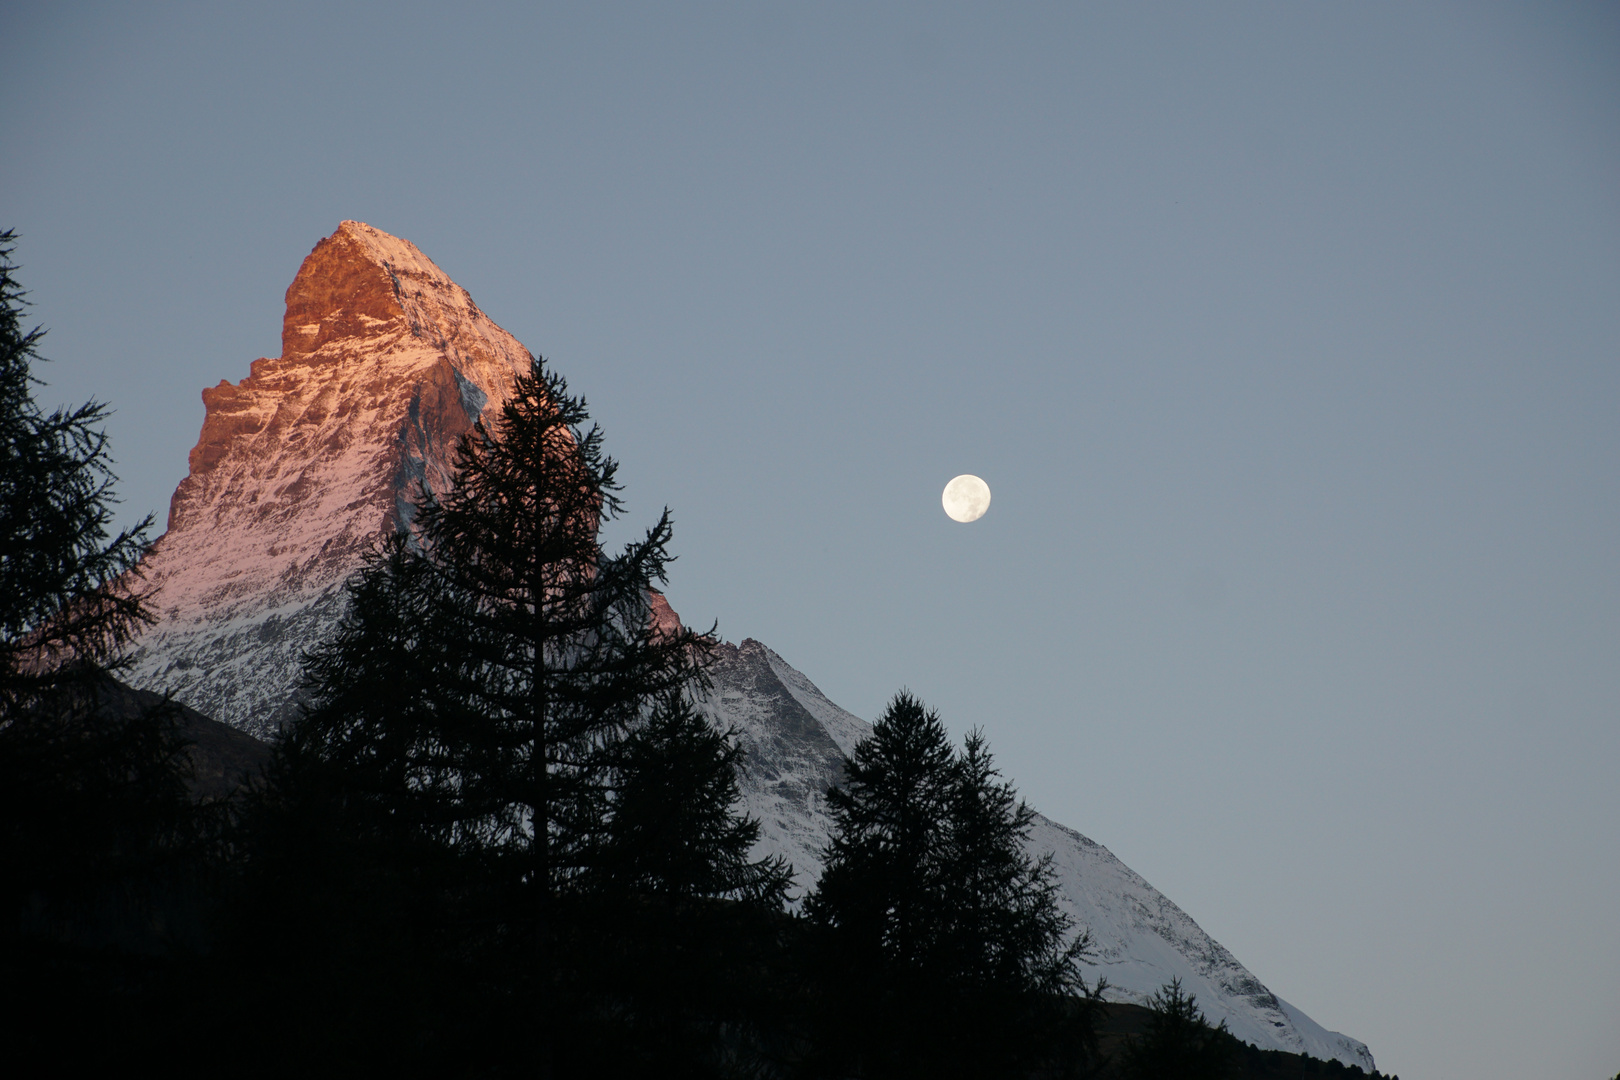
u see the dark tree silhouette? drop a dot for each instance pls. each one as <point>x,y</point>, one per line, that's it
<point>936,910</point>
<point>499,737</point>
<point>1003,929</point>
<point>85,796</point>
<point>97,832</point>
<point>1004,941</point>
<point>67,594</point>
<point>674,832</point>
<point>883,885</point>
<point>1179,1043</point>
<point>557,651</point>
<point>682,925</point>
<point>489,666</point>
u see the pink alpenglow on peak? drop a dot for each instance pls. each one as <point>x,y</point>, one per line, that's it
<point>302,465</point>
<point>663,617</point>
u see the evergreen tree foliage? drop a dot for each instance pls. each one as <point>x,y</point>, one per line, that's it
<point>1179,1043</point>
<point>934,907</point>
<point>1004,929</point>
<point>67,594</point>
<point>556,648</point>
<point>489,667</point>
<point>98,836</point>
<point>883,881</point>
<point>673,833</point>
<point>91,795</point>
<point>500,739</point>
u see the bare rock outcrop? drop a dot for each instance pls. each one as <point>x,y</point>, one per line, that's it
<point>302,465</point>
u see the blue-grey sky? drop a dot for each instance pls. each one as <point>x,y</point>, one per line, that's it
<point>1286,335</point>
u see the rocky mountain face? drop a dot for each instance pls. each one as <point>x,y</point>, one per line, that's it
<point>385,362</point>
<point>316,454</point>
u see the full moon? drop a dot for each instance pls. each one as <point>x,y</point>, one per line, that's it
<point>966,498</point>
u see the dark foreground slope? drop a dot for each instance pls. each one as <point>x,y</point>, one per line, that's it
<point>1118,1023</point>
<point>223,759</point>
<point>162,983</point>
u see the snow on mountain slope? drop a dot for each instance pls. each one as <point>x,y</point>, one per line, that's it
<point>1142,941</point>
<point>302,465</point>
<point>790,759</point>
<point>796,741</point>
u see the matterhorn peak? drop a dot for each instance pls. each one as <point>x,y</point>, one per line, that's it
<point>361,283</point>
<point>307,461</point>
<point>318,453</point>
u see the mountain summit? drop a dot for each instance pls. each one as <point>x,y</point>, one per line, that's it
<point>385,362</point>
<point>303,464</point>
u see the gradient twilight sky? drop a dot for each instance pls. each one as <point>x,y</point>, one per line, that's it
<point>1286,335</point>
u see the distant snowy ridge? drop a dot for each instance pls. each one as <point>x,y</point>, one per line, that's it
<point>796,740</point>
<point>302,465</point>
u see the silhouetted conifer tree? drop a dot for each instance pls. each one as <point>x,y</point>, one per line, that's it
<point>683,923</point>
<point>1002,930</point>
<point>97,832</point>
<point>67,597</point>
<point>498,730</point>
<point>1179,1043</point>
<point>938,914</point>
<point>674,832</point>
<point>1004,942</point>
<point>883,884</point>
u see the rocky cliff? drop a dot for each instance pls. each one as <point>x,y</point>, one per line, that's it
<point>385,362</point>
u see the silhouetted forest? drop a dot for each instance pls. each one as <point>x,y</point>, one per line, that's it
<point>501,839</point>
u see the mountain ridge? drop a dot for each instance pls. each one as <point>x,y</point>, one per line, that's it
<point>1141,938</point>
<point>304,464</point>
<point>318,454</point>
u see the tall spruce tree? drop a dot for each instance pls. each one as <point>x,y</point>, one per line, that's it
<point>497,713</point>
<point>67,595</point>
<point>1021,1003</point>
<point>491,663</point>
<point>684,924</point>
<point>674,832</point>
<point>883,883</point>
<point>86,796</point>
<point>935,908</point>
<point>1179,1043</point>
<point>1003,931</point>
<point>96,826</point>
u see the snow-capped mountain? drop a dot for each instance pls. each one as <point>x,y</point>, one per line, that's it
<point>385,361</point>
<point>301,465</point>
